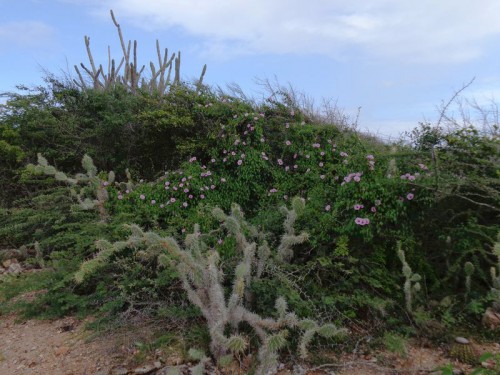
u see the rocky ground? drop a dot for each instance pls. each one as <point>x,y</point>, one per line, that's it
<point>64,347</point>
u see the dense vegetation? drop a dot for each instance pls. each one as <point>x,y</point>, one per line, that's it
<point>392,236</point>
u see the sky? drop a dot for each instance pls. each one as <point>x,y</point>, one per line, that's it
<point>396,60</point>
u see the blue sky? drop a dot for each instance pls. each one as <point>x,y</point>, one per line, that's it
<point>396,59</point>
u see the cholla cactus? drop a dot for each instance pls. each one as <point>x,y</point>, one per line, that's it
<point>468,270</point>
<point>289,238</point>
<point>88,179</point>
<point>203,279</point>
<point>495,277</point>
<point>412,284</point>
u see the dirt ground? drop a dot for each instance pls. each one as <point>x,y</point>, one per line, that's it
<point>63,347</point>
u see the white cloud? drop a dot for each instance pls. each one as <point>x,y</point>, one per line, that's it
<point>26,34</point>
<point>407,30</point>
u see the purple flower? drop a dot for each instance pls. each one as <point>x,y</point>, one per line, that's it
<point>219,241</point>
<point>142,196</point>
<point>373,209</point>
<point>328,207</point>
<point>288,143</point>
<point>357,178</point>
<point>280,162</point>
<point>273,190</point>
<point>316,145</point>
<point>212,160</point>
<point>185,204</point>
<point>410,196</point>
<point>370,157</point>
<point>378,202</point>
<point>153,201</point>
<point>358,207</point>
<point>212,187</point>
<point>240,162</point>
<point>190,196</point>
<point>344,154</point>
<point>202,196</point>
<point>321,164</point>
<point>186,190</point>
<point>120,197</point>
<point>322,153</point>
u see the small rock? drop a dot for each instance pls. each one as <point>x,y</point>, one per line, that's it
<point>7,263</point>
<point>118,370</point>
<point>144,369</point>
<point>491,319</point>
<point>461,340</point>
<point>15,268</point>
<point>61,350</point>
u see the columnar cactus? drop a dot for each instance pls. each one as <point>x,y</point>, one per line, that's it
<point>412,284</point>
<point>131,77</point>
<point>468,270</point>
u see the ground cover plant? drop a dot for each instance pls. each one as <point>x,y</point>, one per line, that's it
<point>339,228</point>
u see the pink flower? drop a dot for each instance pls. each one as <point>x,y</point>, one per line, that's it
<point>370,157</point>
<point>105,183</point>
<point>185,204</point>
<point>212,160</point>
<point>190,196</point>
<point>322,153</point>
<point>142,196</point>
<point>219,241</point>
<point>172,200</point>
<point>273,190</point>
<point>202,196</point>
<point>316,145</point>
<point>280,162</point>
<point>410,196</point>
<point>373,209</point>
<point>288,143</point>
<point>358,207</point>
<point>362,221</point>
<point>153,201</point>
<point>321,164</point>
<point>186,190</point>
<point>222,179</point>
<point>240,162</point>
<point>357,178</point>
<point>212,187</point>
<point>328,207</point>
<point>120,197</point>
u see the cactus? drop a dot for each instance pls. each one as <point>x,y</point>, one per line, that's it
<point>90,179</point>
<point>203,279</point>
<point>468,270</point>
<point>131,77</point>
<point>412,280</point>
<point>495,277</point>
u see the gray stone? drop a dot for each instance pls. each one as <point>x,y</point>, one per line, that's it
<point>461,340</point>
